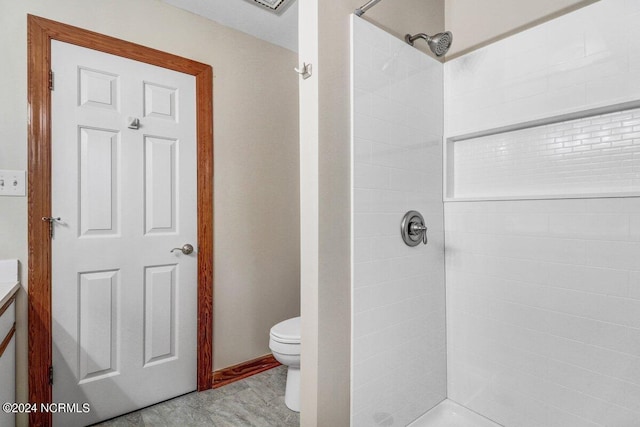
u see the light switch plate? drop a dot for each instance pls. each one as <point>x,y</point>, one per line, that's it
<point>13,183</point>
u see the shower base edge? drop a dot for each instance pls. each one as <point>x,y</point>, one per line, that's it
<point>450,414</point>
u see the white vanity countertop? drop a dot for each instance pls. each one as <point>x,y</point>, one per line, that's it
<point>9,283</point>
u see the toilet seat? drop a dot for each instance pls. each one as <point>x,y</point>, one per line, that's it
<point>287,331</point>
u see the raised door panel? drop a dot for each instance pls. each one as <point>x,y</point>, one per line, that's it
<point>98,325</point>
<point>160,313</point>
<point>99,186</point>
<point>160,184</point>
<point>160,101</point>
<point>97,89</point>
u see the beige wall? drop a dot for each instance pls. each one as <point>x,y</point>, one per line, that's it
<point>400,17</point>
<point>476,23</point>
<point>256,158</point>
<point>325,203</point>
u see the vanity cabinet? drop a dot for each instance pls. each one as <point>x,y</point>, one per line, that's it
<point>7,359</point>
<point>9,286</point>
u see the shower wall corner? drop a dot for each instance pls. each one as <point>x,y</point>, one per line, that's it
<point>398,344</point>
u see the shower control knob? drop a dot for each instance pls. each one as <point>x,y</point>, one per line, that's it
<point>417,228</point>
<point>412,229</point>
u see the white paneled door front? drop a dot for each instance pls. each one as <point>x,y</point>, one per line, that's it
<point>124,189</point>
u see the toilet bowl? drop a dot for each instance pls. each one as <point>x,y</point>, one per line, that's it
<point>284,342</point>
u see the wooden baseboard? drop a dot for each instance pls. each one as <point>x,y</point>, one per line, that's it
<point>242,370</point>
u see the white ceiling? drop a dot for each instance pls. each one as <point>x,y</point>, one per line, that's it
<point>248,18</point>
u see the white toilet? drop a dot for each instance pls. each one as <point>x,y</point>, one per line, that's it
<point>284,342</point>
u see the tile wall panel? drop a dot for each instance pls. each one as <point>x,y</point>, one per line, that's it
<point>543,296</point>
<point>586,59</point>
<point>542,315</point>
<point>592,155</point>
<point>398,345</point>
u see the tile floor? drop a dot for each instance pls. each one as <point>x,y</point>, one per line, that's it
<point>257,401</point>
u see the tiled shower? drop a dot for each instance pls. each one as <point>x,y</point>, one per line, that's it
<point>398,350</point>
<point>540,237</point>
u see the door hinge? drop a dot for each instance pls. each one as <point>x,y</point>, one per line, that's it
<point>51,375</point>
<point>50,79</point>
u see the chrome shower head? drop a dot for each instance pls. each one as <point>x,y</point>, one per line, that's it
<point>439,44</point>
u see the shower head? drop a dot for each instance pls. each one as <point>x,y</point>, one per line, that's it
<point>439,44</point>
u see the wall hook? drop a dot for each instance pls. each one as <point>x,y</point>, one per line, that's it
<point>305,72</point>
<point>133,123</point>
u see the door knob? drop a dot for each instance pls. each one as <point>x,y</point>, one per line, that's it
<point>185,249</point>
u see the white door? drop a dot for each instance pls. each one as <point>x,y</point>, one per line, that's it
<point>123,305</point>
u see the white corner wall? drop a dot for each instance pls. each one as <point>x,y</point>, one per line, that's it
<point>398,332</point>
<point>543,296</point>
<point>586,59</point>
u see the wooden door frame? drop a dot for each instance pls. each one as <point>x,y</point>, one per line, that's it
<point>40,33</point>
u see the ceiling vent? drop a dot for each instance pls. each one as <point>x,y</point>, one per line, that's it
<point>275,6</point>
